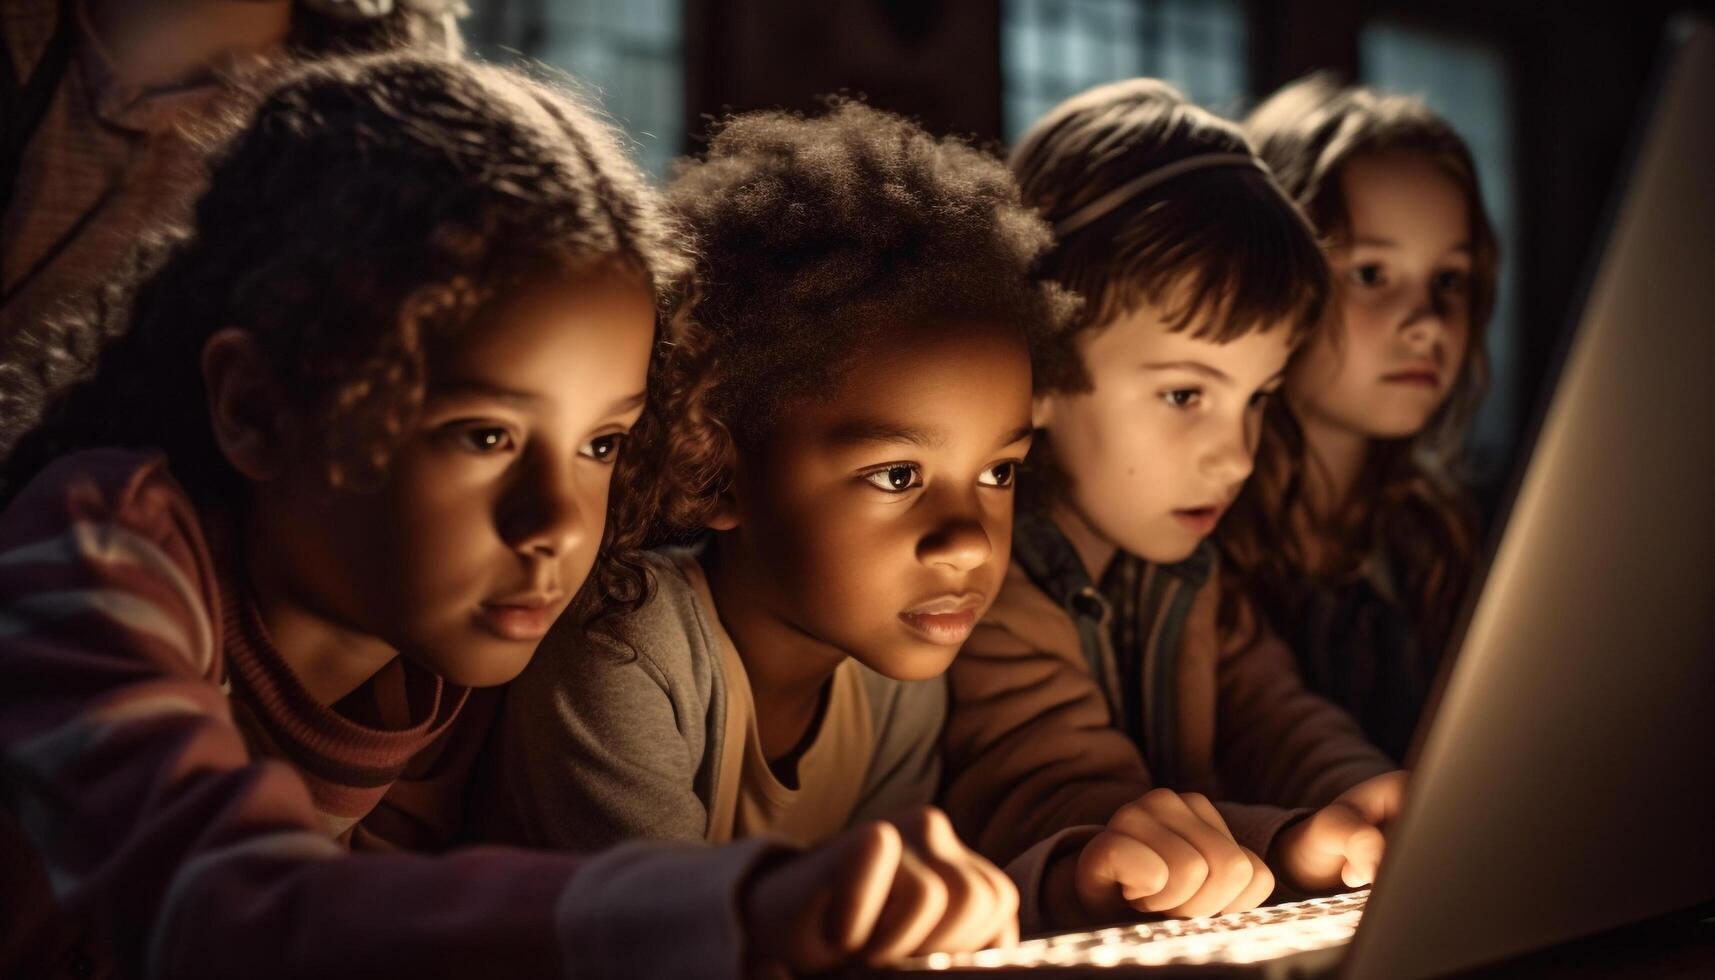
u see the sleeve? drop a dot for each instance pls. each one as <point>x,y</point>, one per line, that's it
<point>597,745</point>
<point>184,857</point>
<point>1277,741</point>
<point>1029,747</point>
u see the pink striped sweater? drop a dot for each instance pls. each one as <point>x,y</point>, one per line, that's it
<point>175,804</point>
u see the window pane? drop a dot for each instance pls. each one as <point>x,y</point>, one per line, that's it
<point>625,53</point>
<point>1052,49</point>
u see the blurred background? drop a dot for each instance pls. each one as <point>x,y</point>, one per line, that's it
<point>1546,94</point>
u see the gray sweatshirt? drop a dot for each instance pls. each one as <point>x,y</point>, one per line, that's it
<point>610,738</point>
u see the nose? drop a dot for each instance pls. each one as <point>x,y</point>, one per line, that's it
<point>542,515</point>
<point>957,541</point>
<point>1425,323</point>
<point>1228,459</point>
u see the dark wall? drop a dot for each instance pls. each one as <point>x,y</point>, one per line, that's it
<point>937,62</point>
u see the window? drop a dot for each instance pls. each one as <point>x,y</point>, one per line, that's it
<point>1052,49</point>
<point>626,55</point>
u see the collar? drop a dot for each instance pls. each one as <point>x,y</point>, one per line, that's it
<point>1052,565</point>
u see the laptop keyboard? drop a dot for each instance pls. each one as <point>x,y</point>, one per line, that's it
<point>1242,937</point>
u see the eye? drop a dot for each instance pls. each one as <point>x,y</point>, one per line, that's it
<point>486,439</point>
<point>1451,281</point>
<point>603,449</point>
<point>1259,401</point>
<point>1367,274</point>
<point>1182,397</point>
<point>1000,474</point>
<point>895,478</point>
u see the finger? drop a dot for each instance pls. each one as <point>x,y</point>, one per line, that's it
<point>1319,853</point>
<point>1115,871</point>
<point>1364,848</point>
<point>972,897</point>
<point>865,880</point>
<point>968,921</point>
<point>813,911</point>
<point>1199,804</point>
<point>1232,873</point>
<point>1004,921</point>
<point>1226,871</point>
<point>914,907</point>
<point>1224,884</point>
<point>1255,893</point>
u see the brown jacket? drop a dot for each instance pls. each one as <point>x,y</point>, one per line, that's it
<point>1039,687</point>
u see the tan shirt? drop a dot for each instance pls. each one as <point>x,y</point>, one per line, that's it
<point>749,799</point>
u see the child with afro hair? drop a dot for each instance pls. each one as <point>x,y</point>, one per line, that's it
<point>853,419</point>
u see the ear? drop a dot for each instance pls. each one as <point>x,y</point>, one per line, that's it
<point>723,515</point>
<point>1042,410</point>
<point>245,406</point>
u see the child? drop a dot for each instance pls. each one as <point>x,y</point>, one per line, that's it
<point>1114,633</point>
<point>861,413</point>
<point>1357,541</point>
<point>346,459</point>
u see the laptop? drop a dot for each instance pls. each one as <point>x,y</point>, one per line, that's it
<point>1565,780</point>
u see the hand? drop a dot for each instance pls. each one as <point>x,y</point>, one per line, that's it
<point>1343,842</point>
<point>1170,854</point>
<point>879,892</point>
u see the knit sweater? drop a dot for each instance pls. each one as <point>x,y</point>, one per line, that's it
<point>176,804</point>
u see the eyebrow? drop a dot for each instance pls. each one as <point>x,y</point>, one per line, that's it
<point>1195,367</point>
<point>1017,435</point>
<point>472,388</point>
<point>863,431</point>
<point>1377,241</point>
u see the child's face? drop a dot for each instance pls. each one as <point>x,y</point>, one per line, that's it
<point>1401,312</point>
<point>492,510</point>
<point>1160,445</point>
<point>881,514</point>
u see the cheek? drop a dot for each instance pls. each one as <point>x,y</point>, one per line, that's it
<point>445,547</point>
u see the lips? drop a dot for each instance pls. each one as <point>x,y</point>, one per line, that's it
<point>521,617</point>
<point>1426,376</point>
<point>946,620</point>
<point>1200,521</point>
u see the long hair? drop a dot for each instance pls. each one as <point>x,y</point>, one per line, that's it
<point>1408,503</point>
<point>358,214</point>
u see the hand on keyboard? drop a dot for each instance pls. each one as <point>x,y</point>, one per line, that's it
<point>876,893</point>
<point>1343,842</point>
<point>1170,854</point>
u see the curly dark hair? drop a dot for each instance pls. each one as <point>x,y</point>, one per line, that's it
<point>1409,501</point>
<point>358,214</point>
<point>814,233</point>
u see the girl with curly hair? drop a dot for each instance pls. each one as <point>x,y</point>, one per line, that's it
<point>344,461</point>
<point>1356,537</point>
